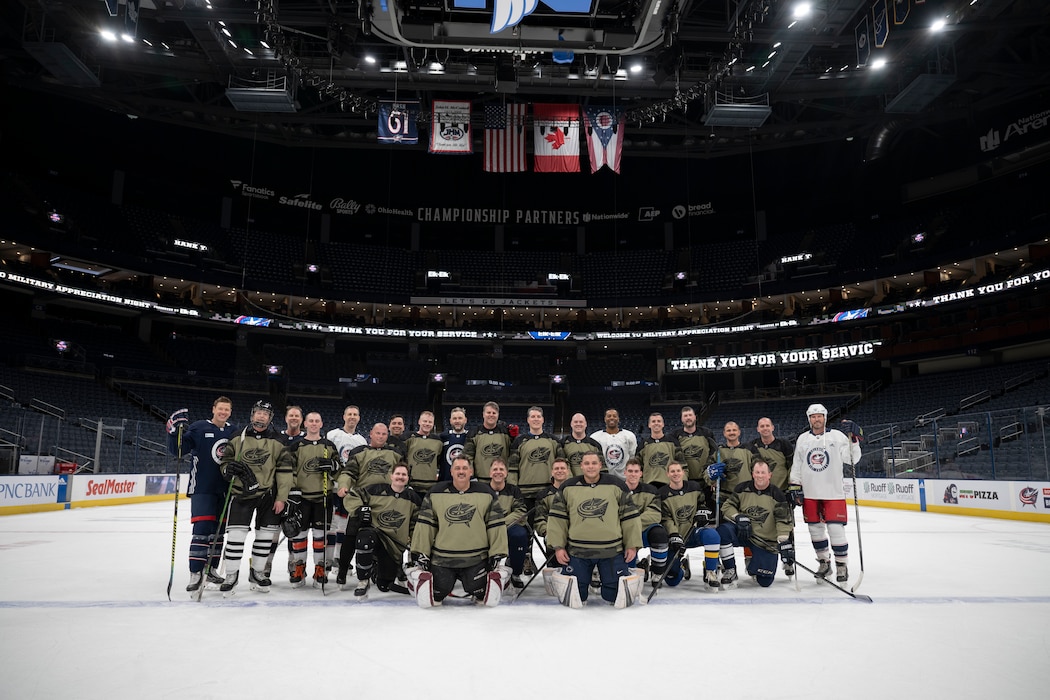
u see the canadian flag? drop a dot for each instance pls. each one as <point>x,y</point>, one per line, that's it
<point>556,138</point>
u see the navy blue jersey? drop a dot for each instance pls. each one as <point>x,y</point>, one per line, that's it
<point>453,447</point>
<point>204,442</point>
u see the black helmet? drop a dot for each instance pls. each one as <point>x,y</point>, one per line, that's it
<point>262,405</point>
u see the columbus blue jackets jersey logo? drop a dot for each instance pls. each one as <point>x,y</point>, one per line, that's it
<point>693,451</point>
<point>733,466</point>
<point>492,450</point>
<point>255,457</point>
<point>460,513</point>
<point>659,459</point>
<point>540,455</point>
<point>378,466</point>
<point>452,452</point>
<point>593,508</point>
<point>817,459</point>
<point>614,454</point>
<point>684,514</point>
<point>757,514</point>
<point>217,449</point>
<point>423,455</point>
<point>390,519</point>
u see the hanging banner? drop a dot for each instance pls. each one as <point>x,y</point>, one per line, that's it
<point>556,138</point>
<point>863,43</point>
<point>450,127</point>
<point>901,10</point>
<point>880,23</point>
<point>397,122</point>
<point>605,127</point>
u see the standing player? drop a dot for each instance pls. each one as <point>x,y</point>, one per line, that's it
<point>204,441</point>
<point>370,464</point>
<point>423,450</point>
<point>260,470</point>
<point>453,441</point>
<point>460,536</point>
<point>617,445</point>
<point>758,516</point>
<point>577,443</point>
<point>697,443</point>
<point>594,523</point>
<point>313,457</point>
<point>733,465</point>
<point>559,475</point>
<point>816,484</point>
<point>487,441</point>
<point>657,452</point>
<point>347,439</point>
<point>293,421</point>
<point>397,430</point>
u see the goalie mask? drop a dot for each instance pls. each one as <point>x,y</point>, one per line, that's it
<point>262,414</point>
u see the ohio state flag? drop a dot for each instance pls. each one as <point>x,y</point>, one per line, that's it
<point>604,136</point>
<point>556,138</point>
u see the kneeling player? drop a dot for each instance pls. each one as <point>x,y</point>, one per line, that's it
<point>687,512</point>
<point>460,536</point>
<point>759,516</point>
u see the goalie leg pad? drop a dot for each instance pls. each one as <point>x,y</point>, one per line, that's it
<point>548,582</point>
<point>629,591</point>
<point>421,585</point>
<point>566,590</point>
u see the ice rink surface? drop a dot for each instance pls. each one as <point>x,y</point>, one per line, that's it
<point>961,610</point>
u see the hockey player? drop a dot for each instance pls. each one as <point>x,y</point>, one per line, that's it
<point>293,421</point>
<point>370,464</point>
<point>347,439</point>
<point>617,445</point>
<point>423,450</point>
<point>204,441</point>
<point>657,451</point>
<point>315,459</point>
<point>453,441</point>
<point>487,441</point>
<point>697,443</point>
<point>531,456</point>
<point>733,465</point>
<point>384,516</point>
<point>757,515</point>
<point>460,536</point>
<point>260,471</point>
<point>559,475</point>
<point>816,485</point>
<point>778,454</point>
<point>515,511</point>
<point>654,535</point>
<point>577,443</point>
<point>688,516</point>
<point>396,426</point>
<point>594,523</point>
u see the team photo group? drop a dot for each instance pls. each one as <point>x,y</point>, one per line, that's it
<point>476,514</point>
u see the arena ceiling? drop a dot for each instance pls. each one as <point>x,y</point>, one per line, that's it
<point>697,78</point>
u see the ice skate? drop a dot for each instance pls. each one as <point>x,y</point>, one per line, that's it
<point>841,573</point>
<point>823,569</point>
<point>258,581</point>
<point>362,588</point>
<point>229,583</point>
<point>714,582</point>
<point>320,576</point>
<point>729,578</point>
<point>298,575</point>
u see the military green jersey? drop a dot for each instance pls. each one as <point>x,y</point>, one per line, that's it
<point>423,453</point>
<point>309,457</point>
<point>512,503</point>
<point>393,514</point>
<point>778,455</point>
<point>679,507</point>
<point>594,521</point>
<point>699,450</point>
<point>460,528</point>
<point>738,461</point>
<point>543,510</point>
<point>264,453</point>
<point>531,457</point>
<point>483,446</point>
<point>647,499</point>
<point>768,509</point>
<point>656,454</point>
<point>573,449</point>
<point>369,465</point>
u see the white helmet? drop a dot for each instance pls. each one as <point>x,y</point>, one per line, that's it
<point>816,408</point>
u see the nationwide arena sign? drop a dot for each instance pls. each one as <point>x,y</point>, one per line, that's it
<point>765,360</point>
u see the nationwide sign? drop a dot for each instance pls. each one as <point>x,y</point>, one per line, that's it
<point>765,360</point>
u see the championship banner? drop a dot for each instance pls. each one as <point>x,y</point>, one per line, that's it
<point>397,122</point>
<point>450,127</point>
<point>863,43</point>
<point>901,10</point>
<point>556,138</point>
<point>605,126</point>
<point>880,23</point>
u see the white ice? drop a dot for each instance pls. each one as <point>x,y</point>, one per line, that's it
<point>961,610</point>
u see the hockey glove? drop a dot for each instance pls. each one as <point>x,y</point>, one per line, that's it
<point>675,541</point>
<point>421,560</point>
<point>703,517</point>
<point>787,552</point>
<point>495,562</point>
<point>794,494</point>
<point>716,471</point>
<point>243,473</point>
<point>292,516</point>
<point>743,527</point>
<point>179,417</point>
<point>364,516</point>
<point>513,430</point>
<point>855,432</point>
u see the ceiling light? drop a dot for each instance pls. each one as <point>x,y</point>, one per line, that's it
<point>878,63</point>
<point>264,44</point>
<point>128,38</point>
<point>938,24</point>
<point>801,10</point>
<point>636,68</point>
<point>370,60</point>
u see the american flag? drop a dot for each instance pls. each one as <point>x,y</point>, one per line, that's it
<point>505,138</point>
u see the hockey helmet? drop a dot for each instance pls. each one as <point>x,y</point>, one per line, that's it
<point>816,408</point>
<point>262,405</point>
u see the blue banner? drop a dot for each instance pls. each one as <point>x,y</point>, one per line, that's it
<point>398,122</point>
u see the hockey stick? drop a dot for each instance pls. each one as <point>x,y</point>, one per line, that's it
<point>324,499</point>
<point>535,573</point>
<point>219,528</point>
<point>851,594</point>
<point>856,512</point>
<point>175,518</point>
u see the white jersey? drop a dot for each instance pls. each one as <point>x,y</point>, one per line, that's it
<point>818,463</point>
<point>346,442</point>
<point>618,448</point>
